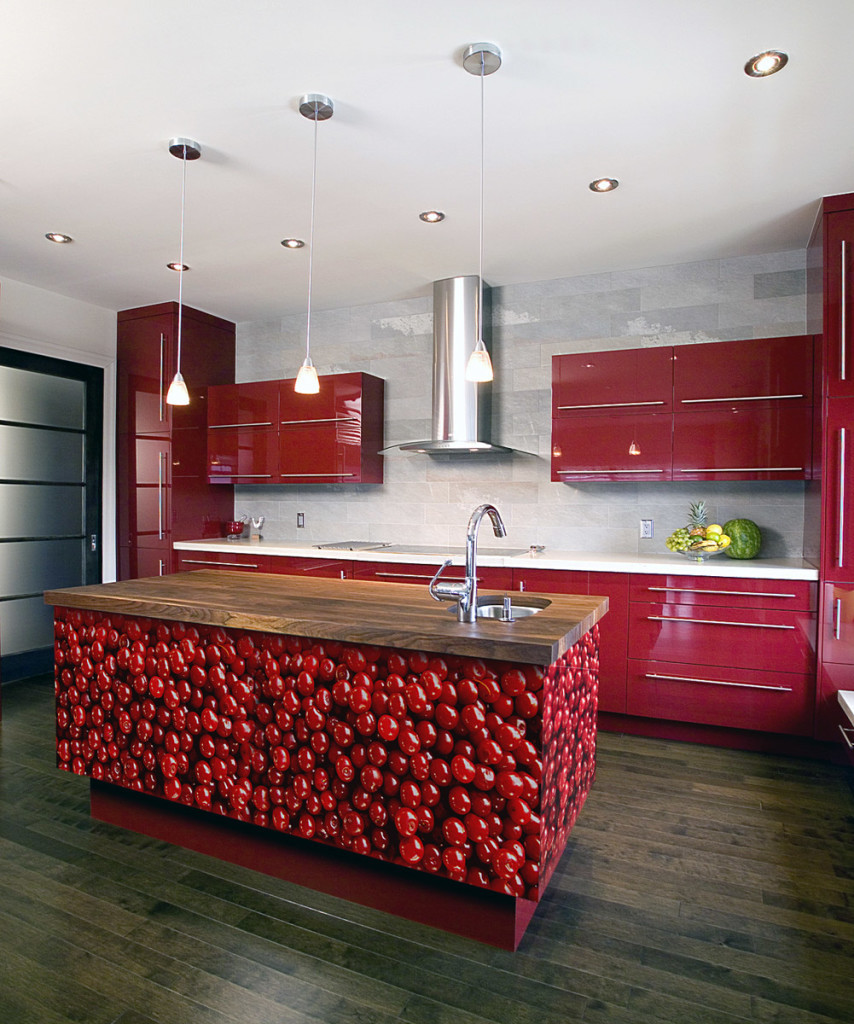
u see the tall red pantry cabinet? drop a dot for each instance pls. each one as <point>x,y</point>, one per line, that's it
<point>161,471</point>
<point>831,288</point>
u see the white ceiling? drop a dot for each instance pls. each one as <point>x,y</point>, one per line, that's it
<point>711,163</point>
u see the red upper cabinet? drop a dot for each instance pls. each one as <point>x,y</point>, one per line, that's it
<point>624,447</point>
<point>743,410</point>
<point>838,265</point>
<point>334,436</point>
<point>743,373</point>
<point>243,436</point>
<point>605,383</point>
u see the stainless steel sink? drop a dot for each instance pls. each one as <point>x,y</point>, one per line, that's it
<point>508,608</point>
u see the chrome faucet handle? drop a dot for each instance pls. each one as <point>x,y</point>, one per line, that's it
<point>449,590</point>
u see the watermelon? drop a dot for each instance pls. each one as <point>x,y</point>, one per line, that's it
<point>745,537</point>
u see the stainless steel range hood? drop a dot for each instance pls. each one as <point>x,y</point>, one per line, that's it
<point>462,410</point>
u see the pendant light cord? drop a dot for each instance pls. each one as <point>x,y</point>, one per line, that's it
<point>311,242</point>
<point>480,239</point>
<point>181,255</point>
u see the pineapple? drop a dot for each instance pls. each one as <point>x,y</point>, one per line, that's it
<point>697,526</point>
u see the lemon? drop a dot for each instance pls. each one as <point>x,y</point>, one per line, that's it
<point>714,528</point>
<point>724,541</point>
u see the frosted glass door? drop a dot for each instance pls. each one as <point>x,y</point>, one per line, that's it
<point>47,537</point>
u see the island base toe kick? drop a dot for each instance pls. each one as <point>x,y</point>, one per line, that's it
<point>440,788</point>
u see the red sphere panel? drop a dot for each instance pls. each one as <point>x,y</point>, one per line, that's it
<point>470,769</point>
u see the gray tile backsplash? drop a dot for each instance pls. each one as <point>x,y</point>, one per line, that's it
<point>428,500</point>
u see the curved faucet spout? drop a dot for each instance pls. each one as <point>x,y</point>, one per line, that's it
<point>467,611</point>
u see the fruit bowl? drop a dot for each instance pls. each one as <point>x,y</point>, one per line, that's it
<point>702,554</point>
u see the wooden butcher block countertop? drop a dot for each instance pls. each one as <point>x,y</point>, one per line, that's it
<point>366,612</point>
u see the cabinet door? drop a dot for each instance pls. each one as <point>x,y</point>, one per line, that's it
<point>328,568</point>
<point>150,496</point>
<point>831,722</point>
<point>762,370</point>
<point>601,383</point>
<point>321,436</point>
<point>838,498</point>
<point>242,434</point>
<point>736,698</point>
<point>145,347</point>
<point>743,442</point>
<point>488,577</point>
<point>619,447</point>
<point>188,561</point>
<point>839,303</point>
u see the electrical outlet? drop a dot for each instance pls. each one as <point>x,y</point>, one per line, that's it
<point>300,520</point>
<point>646,529</point>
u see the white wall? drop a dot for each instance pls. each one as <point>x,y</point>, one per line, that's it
<point>39,321</point>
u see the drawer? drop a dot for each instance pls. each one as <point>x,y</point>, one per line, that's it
<point>330,568</point>
<point>734,698</point>
<point>726,593</point>
<point>189,561</point>
<point>779,641</point>
<point>405,572</point>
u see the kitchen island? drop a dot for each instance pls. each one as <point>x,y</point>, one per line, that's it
<point>350,736</point>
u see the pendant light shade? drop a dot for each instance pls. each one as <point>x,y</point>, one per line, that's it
<point>184,149</point>
<point>481,59</point>
<point>315,107</point>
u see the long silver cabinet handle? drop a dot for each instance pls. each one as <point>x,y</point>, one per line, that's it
<point>726,593</point>
<point>245,476</point>
<point>717,682</point>
<point>845,732</point>
<point>161,458</point>
<point>843,317</point>
<point>717,622</point>
<point>607,405</point>
<point>738,398</point>
<point>232,426</point>
<point>840,535</point>
<point>600,472</point>
<point>300,475</point>
<point>162,347</point>
<point>328,419</point>
<point>743,469</point>
<point>837,620</point>
<point>202,561</point>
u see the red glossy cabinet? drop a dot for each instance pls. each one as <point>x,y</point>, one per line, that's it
<point>242,435</point>
<point>243,561</point>
<point>625,447</point>
<point>721,652</point>
<point>334,436</point>
<point>161,489</point>
<point>837,656</point>
<point>325,567</point>
<point>263,432</point>
<point>489,578</point>
<point>612,628</point>
<point>837,549</point>
<point>612,382</point>
<point>837,257</point>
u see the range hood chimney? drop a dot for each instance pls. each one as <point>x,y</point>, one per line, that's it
<point>462,410</point>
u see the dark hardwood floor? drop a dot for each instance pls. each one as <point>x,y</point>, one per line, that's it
<point>700,885</point>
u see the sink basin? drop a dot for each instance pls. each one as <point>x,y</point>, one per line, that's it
<point>489,606</point>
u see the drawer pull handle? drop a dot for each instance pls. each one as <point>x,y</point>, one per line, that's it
<point>601,472</point>
<point>315,474</point>
<point>242,476</point>
<point>237,426</point>
<point>607,405</point>
<point>328,419</point>
<point>743,469</point>
<point>202,561</point>
<point>845,732</point>
<point>717,622</point>
<point>739,398</point>
<point>726,593</point>
<point>717,682</point>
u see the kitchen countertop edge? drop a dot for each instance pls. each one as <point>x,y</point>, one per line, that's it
<point>654,564</point>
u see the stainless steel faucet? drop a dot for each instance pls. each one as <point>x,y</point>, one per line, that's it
<point>465,591</point>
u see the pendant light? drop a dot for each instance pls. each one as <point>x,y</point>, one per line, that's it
<point>481,59</point>
<point>316,107</point>
<point>184,149</point>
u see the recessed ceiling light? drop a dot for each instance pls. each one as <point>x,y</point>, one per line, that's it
<point>431,216</point>
<point>176,266</point>
<point>766,63</point>
<point>56,236</point>
<point>603,185</point>
<point>293,243</point>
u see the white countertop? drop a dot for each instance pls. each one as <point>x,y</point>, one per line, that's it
<point>846,699</point>
<point>663,562</point>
